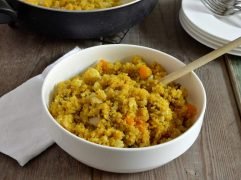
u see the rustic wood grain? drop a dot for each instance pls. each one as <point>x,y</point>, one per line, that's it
<point>28,54</point>
<point>234,69</point>
<point>215,155</point>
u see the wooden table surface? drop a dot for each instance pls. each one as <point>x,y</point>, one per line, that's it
<point>215,155</point>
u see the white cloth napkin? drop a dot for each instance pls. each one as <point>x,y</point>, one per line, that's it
<point>22,132</point>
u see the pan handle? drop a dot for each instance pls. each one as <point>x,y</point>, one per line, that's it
<point>7,14</point>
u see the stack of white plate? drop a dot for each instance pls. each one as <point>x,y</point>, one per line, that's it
<point>210,30</point>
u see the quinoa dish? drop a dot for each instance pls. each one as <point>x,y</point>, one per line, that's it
<point>122,104</point>
<point>75,4</point>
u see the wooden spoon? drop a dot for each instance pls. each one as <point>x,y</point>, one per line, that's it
<point>201,61</point>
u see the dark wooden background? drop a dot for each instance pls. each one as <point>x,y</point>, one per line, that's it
<point>215,155</point>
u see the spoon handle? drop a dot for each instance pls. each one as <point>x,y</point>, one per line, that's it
<point>201,61</point>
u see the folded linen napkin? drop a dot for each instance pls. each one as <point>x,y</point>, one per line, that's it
<point>22,132</point>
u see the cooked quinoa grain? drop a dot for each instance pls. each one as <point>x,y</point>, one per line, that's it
<point>122,105</point>
<point>75,4</point>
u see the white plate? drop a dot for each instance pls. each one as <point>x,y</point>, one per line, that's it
<point>222,28</point>
<point>201,33</point>
<point>202,38</point>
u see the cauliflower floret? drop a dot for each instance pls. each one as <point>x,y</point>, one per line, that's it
<point>91,75</point>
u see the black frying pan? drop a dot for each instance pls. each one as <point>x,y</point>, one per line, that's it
<point>75,24</point>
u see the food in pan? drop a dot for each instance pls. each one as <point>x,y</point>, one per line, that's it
<point>75,4</point>
<point>122,104</point>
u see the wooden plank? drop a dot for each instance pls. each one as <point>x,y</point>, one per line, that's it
<point>24,55</point>
<point>54,163</point>
<point>234,69</point>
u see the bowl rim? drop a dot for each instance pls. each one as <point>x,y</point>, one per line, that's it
<point>152,147</point>
<point>81,11</point>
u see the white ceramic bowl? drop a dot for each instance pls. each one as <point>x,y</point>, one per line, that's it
<point>122,160</point>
